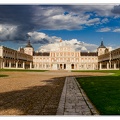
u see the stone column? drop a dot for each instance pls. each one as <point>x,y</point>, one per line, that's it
<point>3,64</point>
<point>23,65</point>
<point>77,66</point>
<point>59,66</point>
<point>110,64</point>
<point>62,66</point>
<point>114,65</point>
<point>42,65</point>
<point>100,66</point>
<point>66,66</point>
<point>45,65</point>
<point>37,65</point>
<point>30,65</point>
<point>69,66</point>
<point>93,66</point>
<point>74,66</point>
<point>85,66</point>
<point>9,64</point>
<point>16,64</point>
<point>107,65</point>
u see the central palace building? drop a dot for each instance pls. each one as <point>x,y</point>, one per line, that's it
<point>65,58</point>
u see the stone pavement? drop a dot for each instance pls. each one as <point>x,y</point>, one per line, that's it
<point>74,101</point>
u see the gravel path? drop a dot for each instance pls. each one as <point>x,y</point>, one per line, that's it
<point>33,93</point>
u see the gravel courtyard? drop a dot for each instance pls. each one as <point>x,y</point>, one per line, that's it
<point>33,93</point>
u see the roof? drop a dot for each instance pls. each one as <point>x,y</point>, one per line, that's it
<point>41,54</point>
<point>102,45</point>
<point>29,45</point>
<point>89,54</point>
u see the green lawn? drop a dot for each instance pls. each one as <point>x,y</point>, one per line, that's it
<point>3,75</point>
<point>22,70</point>
<point>18,70</point>
<point>103,91</point>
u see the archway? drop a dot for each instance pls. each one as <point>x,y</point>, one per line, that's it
<point>60,66</point>
<point>72,66</point>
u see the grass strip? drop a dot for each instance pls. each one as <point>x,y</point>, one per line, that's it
<point>21,70</point>
<point>3,75</point>
<point>104,92</point>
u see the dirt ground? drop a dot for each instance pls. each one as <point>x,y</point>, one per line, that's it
<point>33,93</point>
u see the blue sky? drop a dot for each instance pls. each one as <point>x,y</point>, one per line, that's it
<point>80,25</point>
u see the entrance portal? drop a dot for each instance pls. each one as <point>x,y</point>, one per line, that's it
<point>62,66</point>
<point>72,66</point>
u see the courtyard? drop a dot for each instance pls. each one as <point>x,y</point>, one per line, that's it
<point>33,93</point>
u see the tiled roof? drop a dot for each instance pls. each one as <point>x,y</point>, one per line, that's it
<point>41,54</point>
<point>89,54</point>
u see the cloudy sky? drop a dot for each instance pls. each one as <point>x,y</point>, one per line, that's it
<point>81,26</point>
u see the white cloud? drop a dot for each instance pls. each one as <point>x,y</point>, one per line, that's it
<point>93,21</point>
<point>7,32</point>
<point>53,17</point>
<point>42,38</point>
<point>83,48</point>
<point>104,30</point>
<point>100,10</point>
<point>52,43</point>
<point>116,30</point>
<point>105,20</point>
<point>68,22</point>
<point>74,44</point>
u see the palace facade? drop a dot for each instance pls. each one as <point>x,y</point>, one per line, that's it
<point>65,58</point>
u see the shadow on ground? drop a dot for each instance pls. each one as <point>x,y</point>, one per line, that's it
<point>35,100</point>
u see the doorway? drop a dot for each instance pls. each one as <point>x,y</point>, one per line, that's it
<point>60,66</point>
<point>72,66</point>
<point>64,66</point>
